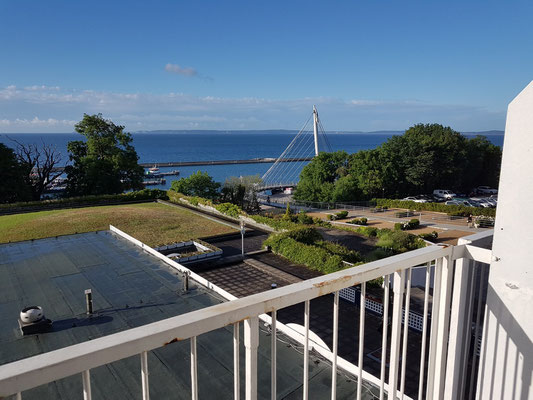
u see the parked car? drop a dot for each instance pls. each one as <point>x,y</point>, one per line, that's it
<point>443,194</point>
<point>485,190</point>
<point>454,203</point>
<point>416,199</point>
<point>483,202</point>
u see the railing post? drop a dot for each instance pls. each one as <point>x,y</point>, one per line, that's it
<point>306,351</point>
<point>399,283</point>
<point>86,377</point>
<point>439,327</point>
<point>144,376</point>
<point>273,356</point>
<point>194,370</point>
<point>460,326</point>
<point>251,343</point>
<point>236,362</point>
<point>335,345</point>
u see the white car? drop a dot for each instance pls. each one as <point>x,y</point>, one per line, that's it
<point>485,190</point>
<point>444,194</point>
<point>415,199</point>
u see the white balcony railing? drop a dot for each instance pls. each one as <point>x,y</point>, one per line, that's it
<point>448,333</point>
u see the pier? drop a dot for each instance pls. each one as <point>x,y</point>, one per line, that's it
<point>213,162</point>
<point>221,162</point>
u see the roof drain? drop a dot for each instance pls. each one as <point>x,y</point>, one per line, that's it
<point>32,320</point>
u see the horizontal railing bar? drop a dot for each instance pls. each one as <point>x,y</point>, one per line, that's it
<point>34,371</point>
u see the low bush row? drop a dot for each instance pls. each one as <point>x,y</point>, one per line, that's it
<point>145,194</point>
<point>438,207</point>
<point>359,221</point>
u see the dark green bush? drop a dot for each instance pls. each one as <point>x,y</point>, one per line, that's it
<point>314,257</point>
<point>359,221</point>
<point>429,236</point>
<point>305,219</point>
<point>348,255</point>
<point>398,226</point>
<point>303,235</point>
<point>399,241</point>
<point>341,214</point>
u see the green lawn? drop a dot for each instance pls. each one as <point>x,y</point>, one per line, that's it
<point>151,223</point>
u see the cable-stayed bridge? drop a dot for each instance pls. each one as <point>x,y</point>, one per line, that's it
<point>310,140</point>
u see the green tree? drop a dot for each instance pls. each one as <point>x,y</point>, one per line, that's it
<point>12,177</point>
<point>242,191</point>
<point>105,163</point>
<point>317,180</point>
<point>424,158</point>
<point>38,163</point>
<point>199,184</point>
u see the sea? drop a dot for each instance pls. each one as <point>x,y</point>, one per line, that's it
<point>155,147</point>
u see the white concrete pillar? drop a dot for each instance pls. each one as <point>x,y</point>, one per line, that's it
<point>506,366</point>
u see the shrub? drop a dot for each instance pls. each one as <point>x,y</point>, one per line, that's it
<point>359,221</point>
<point>348,255</point>
<point>404,226</point>
<point>332,217</point>
<point>305,219</point>
<point>277,224</point>
<point>399,241</point>
<point>429,236</point>
<point>314,257</point>
<point>320,222</point>
<point>303,235</point>
<point>229,209</point>
<point>413,223</point>
<point>367,231</point>
<point>288,216</point>
<point>341,214</point>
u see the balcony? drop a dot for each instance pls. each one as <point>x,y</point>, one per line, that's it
<point>455,280</point>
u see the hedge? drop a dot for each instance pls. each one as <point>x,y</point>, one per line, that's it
<point>316,258</point>
<point>144,194</point>
<point>438,207</point>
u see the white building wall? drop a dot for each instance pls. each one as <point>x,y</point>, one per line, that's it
<point>507,351</point>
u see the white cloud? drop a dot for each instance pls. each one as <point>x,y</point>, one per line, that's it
<point>53,109</point>
<point>176,69</point>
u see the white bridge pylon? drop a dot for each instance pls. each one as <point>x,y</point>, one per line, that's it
<point>306,144</point>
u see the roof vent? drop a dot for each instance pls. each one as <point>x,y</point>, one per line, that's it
<point>32,320</point>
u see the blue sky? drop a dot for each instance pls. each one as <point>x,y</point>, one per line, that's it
<point>367,65</point>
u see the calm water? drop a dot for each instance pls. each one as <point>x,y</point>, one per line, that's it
<point>166,147</point>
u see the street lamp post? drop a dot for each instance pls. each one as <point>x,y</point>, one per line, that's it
<point>242,238</point>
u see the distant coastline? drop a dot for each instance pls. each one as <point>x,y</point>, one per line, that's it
<point>256,131</point>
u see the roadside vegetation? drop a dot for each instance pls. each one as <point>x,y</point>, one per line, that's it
<point>152,223</point>
<point>454,210</point>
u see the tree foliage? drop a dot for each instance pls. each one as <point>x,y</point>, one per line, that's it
<point>242,191</point>
<point>424,158</point>
<point>199,184</point>
<point>13,186</point>
<point>38,165</point>
<point>105,163</point>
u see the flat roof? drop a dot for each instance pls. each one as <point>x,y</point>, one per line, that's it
<point>130,288</point>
